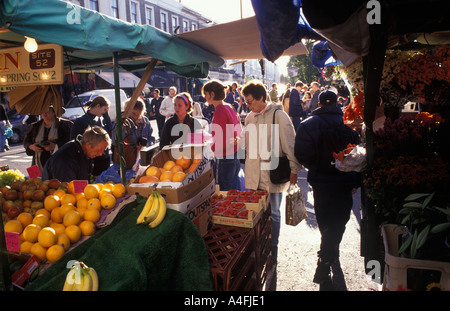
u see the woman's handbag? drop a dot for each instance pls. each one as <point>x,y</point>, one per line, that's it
<point>129,155</point>
<point>295,206</point>
<point>282,173</point>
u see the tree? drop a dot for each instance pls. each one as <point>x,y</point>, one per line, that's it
<point>307,73</point>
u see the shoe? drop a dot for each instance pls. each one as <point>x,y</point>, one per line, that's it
<point>6,147</point>
<point>322,274</point>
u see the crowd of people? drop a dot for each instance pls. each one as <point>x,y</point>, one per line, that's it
<point>272,126</point>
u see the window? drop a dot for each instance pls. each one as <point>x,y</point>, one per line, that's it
<point>93,5</point>
<point>134,12</point>
<point>114,8</point>
<point>194,26</point>
<point>174,23</point>
<point>149,15</point>
<point>164,21</point>
<point>185,26</point>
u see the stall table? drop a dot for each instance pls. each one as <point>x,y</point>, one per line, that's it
<point>131,257</point>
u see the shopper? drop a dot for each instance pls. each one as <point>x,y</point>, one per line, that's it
<point>44,137</point>
<point>167,105</point>
<point>74,160</point>
<point>258,135</point>
<point>225,129</point>
<point>4,124</point>
<point>156,104</point>
<point>96,114</point>
<point>295,104</point>
<point>177,128</point>
<point>332,189</point>
<point>136,134</point>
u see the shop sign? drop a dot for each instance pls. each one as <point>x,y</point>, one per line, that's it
<point>43,67</point>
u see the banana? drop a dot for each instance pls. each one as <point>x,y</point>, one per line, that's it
<point>161,213</point>
<point>94,277</point>
<point>151,215</point>
<point>148,205</point>
<point>70,280</point>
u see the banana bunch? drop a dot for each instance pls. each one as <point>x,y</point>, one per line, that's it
<point>154,210</point>
<point>81,278</point>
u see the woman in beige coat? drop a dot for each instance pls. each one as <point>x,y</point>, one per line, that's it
<point>257,139</point>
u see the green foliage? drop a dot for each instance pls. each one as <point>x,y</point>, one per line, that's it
<point>306,71</point>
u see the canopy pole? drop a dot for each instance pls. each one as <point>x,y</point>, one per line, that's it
<point>140,86</point>
<point>119,119</point>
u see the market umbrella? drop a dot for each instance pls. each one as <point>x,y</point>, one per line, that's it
<point>35,100</point>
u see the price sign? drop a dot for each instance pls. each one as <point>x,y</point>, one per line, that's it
<point>79,185</point>
<point>33,171</point>
<point>12,241</point>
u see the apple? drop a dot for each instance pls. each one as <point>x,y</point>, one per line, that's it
<point>13,212</point>
<point>43,187</point>
<point>38,195</point>
<point>54,183</point>
<point>27,194</point>
<point>31,186</point>
<point>15,185</point>
<point>11,194</point>
<point>37,180</point>
<point>26,203</point>
<point>37,205</point>
<point>7,205</point>
<point>50,191</point>
<point>23,186</point>
<point>4,189</point>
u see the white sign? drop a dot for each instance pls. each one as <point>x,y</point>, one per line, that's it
<point>43,67</point>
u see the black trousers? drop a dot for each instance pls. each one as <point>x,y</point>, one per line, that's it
<point>332,206</point>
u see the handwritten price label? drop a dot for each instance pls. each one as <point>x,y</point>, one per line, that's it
<point>33,171</point>
<point>79,185</point>
<point>12,241</point>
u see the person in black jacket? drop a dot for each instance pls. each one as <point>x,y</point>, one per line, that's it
<point>74,160</point>
<point>295,104</point>
<point>333,189</point>
<point>45,136</point>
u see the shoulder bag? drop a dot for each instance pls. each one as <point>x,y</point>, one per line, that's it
<point>282,173</point>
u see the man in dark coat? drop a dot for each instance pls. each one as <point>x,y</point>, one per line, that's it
<point>333,189</point>
<point>295,104</point>
<point>74,160</point>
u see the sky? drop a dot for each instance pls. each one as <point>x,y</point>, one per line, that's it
<point>221,11</point>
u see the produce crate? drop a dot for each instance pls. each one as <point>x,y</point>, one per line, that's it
<point>263,250</point>
<point>395,273</point>
<point>231,252</point>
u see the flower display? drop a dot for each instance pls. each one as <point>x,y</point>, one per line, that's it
<point>355,109</point>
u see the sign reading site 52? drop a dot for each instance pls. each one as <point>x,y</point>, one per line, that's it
<point>19,68</point>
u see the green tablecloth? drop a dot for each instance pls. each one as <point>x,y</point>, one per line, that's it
<point>130,257</point>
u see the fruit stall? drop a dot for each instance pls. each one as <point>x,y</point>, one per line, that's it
<point>163,233</point>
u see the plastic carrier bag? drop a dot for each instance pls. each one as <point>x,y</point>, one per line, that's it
<point>355,161</point>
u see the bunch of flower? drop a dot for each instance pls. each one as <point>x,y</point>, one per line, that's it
<point>353,74</point>
<point>355,109</point>
<point>330,73</point>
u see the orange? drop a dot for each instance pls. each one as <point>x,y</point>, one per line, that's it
<point>73,232</point>
<point>42,211</point>
<point>59,193</point>
<point>81,210</point>
<point>176,168</point>
<point>47,237</point>
<point>66,208</point>
<point>148,179</point>
<point>99,186</point>
<point>179,176</point>
<point>39,251</point>
<point>54,253</point>
<point>108,201</point>
<point>119,190</point>
<point>94,203</point>
<point>87,227</point>
<point>55,215</point>
<point>108,185</point>
<point>71,218</point>
<point>63,240</point>
<point>13,226</point>
<point>52,201</point>
<point>153,171</point>
<point>168,165</point>
<point>31,232</point>
<point>197,158</point>
<point>41,220</point>
<point>25,247</point>
<point>103,192</point>
<point>184,162</point>
<point>166,176</point>
<point>91,214</point>
<point>59,228</point>
<point>83,202</point>
<point>71,188</point>
<point>25,218</point>
<point>91,191</point>
<point>79,196</point>
<point>68,198</point>
<point>192,167</point>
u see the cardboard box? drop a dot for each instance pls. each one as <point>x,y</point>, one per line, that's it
<point>255,210</point>
<point>201,215</point>
<point>207,192</point>
<point>174,195</point>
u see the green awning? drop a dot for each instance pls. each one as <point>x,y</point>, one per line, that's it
<point>90,37</point>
